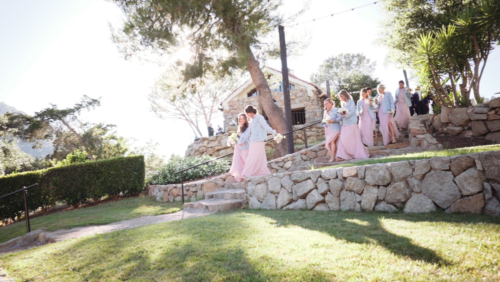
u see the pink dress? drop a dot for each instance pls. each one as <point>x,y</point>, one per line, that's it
<point>349,144</point>
<point>256,162</point>
<point>402,116</point>
<point>239,159</point>
<point>330,135</point>
<point>384,120</point>
<point>366,125</point>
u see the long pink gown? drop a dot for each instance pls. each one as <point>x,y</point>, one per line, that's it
<point>239,159</point>
<point>256,163</point>
<point>366,125</point>
<point>330,135</point>
<point>349,145</point>
<point>402,116</point>
<point>384,120</point>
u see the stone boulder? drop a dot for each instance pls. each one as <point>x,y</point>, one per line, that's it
<point>253,204</point>
<point>299,205</point>
<point>436,122</point>
<point>473,204</point>
<point>470,181</point>
<point>261,191</point>
<point>493,125</point>
<point>287,182</point>
<point>439,187</point>
<point>348,201</point>
<point>459,116</point>
<point>321,207</point>
<point>332,202</point>
<point>313,199</point>
<point>421,168</point>
<point>369,198</point>
<point>419,203</point>
<point>354,184</point>
<point>478,128</point>
<point>445,112</point>
<point>478,116</point>
<point>349,172</point>
<point>329,174</point>
<point>454,130</point>
<point>274,185</point>
<point>493,136</point>
<point>336,186</point>
<point>461,164</point>
<point>492,207</point>
<point>269,202</point>
<point>491,165</point>
<point>361,171</point>
<point>377,175</point>
<point>495,103</point>
<point>400,170</point>
<point>440,163</point>
<point>210,186</point>
<point>415,184</point>
<point>301,189</point>
<point>381,192</point>
<point>397,193</point>
<point>323,186</point>
<point>284,198</point>
<point>385,207</point>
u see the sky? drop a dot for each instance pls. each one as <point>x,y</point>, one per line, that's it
<point>56,51</point>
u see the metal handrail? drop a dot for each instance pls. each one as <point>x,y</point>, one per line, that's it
<point>25,194</point>
<point>229,154</point>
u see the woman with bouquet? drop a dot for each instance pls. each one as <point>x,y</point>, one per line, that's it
<point>331,123</point>
<point>403,105</point>
<point>256,162</point>
<point>241,140</point>
<point>385,111</point>
<point>366,117</point>
<point>349,146</point>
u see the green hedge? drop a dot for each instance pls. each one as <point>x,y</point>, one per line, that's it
<point>167,173</point>
<point>73,184</point>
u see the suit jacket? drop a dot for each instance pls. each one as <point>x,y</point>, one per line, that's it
<point>414,99</point>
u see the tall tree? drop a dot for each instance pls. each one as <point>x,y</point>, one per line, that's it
<point>346,71</point>
<point>195,102</point>
<point>224,36</point>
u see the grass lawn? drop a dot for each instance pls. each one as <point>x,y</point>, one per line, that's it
<point>277,246</point>
<point>95,215</point>
<point>421,155</point>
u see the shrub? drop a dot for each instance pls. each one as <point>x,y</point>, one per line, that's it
<point>167,173</point>
<point>73,184</point>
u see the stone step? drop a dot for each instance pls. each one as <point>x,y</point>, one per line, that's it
<point>226,194</point>
<point>214,205</point>
<point>398,145</point>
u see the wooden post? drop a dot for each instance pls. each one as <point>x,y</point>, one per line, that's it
<point>406,79</point>
<point>286,91</point>
<point>329,96</point>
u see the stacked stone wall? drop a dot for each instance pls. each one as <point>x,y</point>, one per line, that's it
<point>483,120</point>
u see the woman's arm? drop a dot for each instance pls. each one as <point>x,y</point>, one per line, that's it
<point>351,109</point>
<point>266,126</point>
<point>245,136</point>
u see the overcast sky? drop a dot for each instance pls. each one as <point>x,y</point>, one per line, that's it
<point>56,51</point>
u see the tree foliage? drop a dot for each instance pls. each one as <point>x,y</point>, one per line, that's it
<point>446,41</point>
<point>346,71</point>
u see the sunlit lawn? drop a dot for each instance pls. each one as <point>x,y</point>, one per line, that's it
<point>101,214</point>
<point>277,246</point>
<point>420,155</point>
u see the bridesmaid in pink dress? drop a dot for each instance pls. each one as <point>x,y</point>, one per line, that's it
<point>388,127</point>
<point>366,117</point>
<point>350,146</point>
<point>241,148</point>
<point>332,127</point>
<point>403,104</point>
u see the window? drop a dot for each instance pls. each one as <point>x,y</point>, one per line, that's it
<point>253,93</point>
<point>298,116</point>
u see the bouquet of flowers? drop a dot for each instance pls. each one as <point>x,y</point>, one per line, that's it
<point>326,120</point>
<point>373,103</point>
<point>232,139</point>
<point>391,112</point>
<point>342,111</point>
<point>278,137</point>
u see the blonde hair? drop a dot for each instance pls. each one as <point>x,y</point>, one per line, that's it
<point>381,86</point>
<point>329,101</point>
<point>409,89</point>
<point>345,94</point>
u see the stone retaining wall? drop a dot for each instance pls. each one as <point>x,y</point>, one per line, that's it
<point>483,120</point>
<point>465,184</point>
<point>420,133</point>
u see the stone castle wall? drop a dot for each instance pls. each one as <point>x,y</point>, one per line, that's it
<point>460,184</point>
<point>483,120</point>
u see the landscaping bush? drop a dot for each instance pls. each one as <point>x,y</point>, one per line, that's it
<point>73,184</point>
<point>167,173</point>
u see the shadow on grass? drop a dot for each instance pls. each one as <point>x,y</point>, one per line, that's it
<point>198,249</point>
<point>365,228</point>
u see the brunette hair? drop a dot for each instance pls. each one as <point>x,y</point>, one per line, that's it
<point>402,82</point>
<point>368,89</point>
<point>250,109</point>
<point>361,97</point>
<point>242,128</point>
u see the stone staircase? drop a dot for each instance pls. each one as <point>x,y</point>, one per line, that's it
<point>218,201</point>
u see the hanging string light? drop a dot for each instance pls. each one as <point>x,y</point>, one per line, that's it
<point>331,15</point>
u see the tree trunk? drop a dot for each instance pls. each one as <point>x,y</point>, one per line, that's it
<point>80,138</point>
<point>273,112</point>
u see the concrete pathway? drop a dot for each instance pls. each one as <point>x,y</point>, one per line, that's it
<point>41,237</point>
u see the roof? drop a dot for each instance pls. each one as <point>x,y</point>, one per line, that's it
<point>249,81</point>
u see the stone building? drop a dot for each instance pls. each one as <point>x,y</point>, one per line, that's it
<point>306,99</point>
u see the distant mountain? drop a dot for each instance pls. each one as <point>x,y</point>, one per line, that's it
<point>47,147</point>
